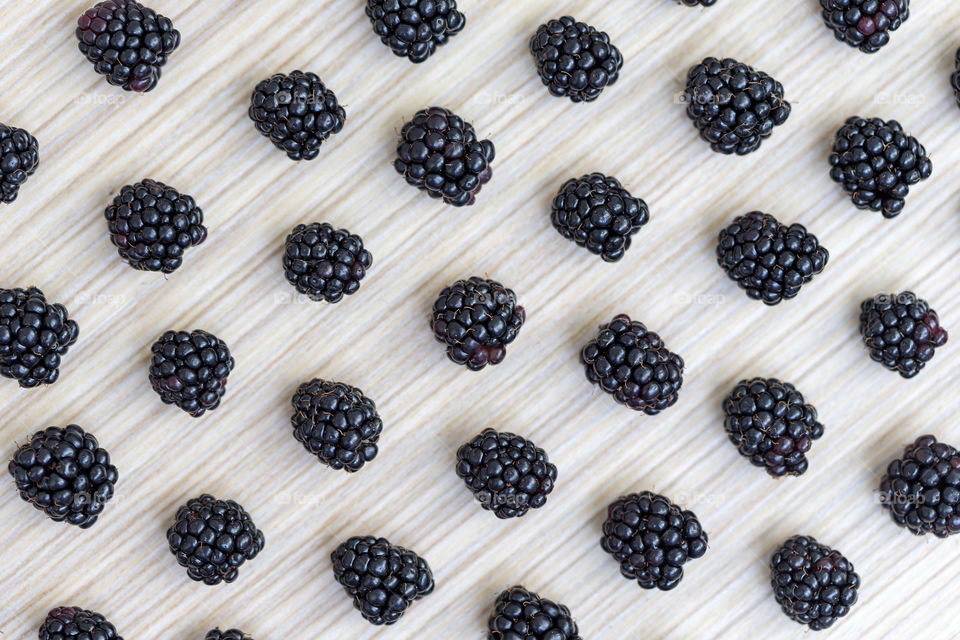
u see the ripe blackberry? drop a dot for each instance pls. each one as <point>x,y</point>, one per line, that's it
<point>127,42</point>
<point>297,112</point>
<point>33,336</point>
<point>921,490</point>
<point>64,623</point>
<point>734,106</point>
<point>865,24</point>
<point>415,28</point>
<point>519,614</point>
<point>439,153</point>
<point>325,263</point>
<point>336,423</point>
<point>230,634</point>
<point>876,162</point>
<point>190,370</point>
<point>212,538</point>
<point>771,424</point>
<point>634,366</point>
<point>507,474</point>
<point>955,77</point>
<point>597,213</point>
<point>476,319</point>
<point>19,157</point>
<point>575,60</point>
<point>768,259</point>
<point>694,3</point>
<point>901,331</point>
<point>813,584</point>
<point>383,579</point>
<point>152,225</point>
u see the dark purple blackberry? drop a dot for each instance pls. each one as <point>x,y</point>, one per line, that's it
<point>127,42</point>
<point>383,579</point>
<point>734,106</point>
<point>865,24</point>
<point>440,153</point>
<point>476,319</point>
<point>813,584</point>
<point>634,366</point>
<point>519,614</point>
<point>921,490</point>
<point>901,331</point>
<point>152,225</point>
<point>297,112</point>
<point>325,263</point>
<point>19,157</point>
<point>694,3</point>
<point>336,423</point>
<point>213,538</point>
<point>74,623</point>
<point>415,28</point>
<point>33,336</point>
<point>955,77</point>
<point>230,634</point>
<point>190,370</point>
<point>768,259</point>
<point>597,213</point>
<point>575,60</point>
<point>771,424</point>
<point>876,162</point>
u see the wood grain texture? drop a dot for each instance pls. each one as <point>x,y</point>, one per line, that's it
<point>193,133</point>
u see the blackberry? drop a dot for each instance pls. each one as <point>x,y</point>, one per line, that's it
<point>901,331</point>
<point>865,24</point>
<point>768,259</point>
<point>415,28</point>
<point>771,424</point>
<point>507,474</point>
<point>813,584</point>
<point>634,366</point>
<point>152,225</point>
<point>597,213</point>
<point>212,538</point>
<point>383,579</point>
<point>921,490</point>
<point>519,614</point>
<point>19,157</point>
<point>476,319</point>
<point>955,77</point>
<point>297,112</point>
<point>325,263</point>
<point>230,634</point>
<point>734,106</point>
<point>876,162</point>
<point>127,42</point>
<point>190,370</point>
<point>575,60</point>
<point>64,623</point>
<point>34,335</point>
<point>439,153</point>
<point>694,3</point>
<point>336,423</point>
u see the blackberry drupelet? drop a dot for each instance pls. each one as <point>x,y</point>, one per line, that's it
<point>297,112</point>
<point>768,259</point>
<point>507,473</point>
<point>771,424</point>
<point>190,370</point>
<point>694,3</point>
<point>876,162</point>
<point>813,584</point>
<point>230,634</point>
<point>325,263</point>
<point>440,153</point>
<point>66,623</point>
<point>212,538</point>
<point>34,335</point>
<point>415,28</point>
<point>865,24</point>
<point>152,225</point>
<point>337,423</point>
<point>634,366</point>
<point>734,106</point>
<point>955,77</point>
<point>901,331</point>
<point>921,490</point>
<point>127,42</point>
<point>383,579</point>
<point>652,538</point>
<point>65,473</point>
<point>575,60</point>
<point>597,213</point>
<point>519,614</point>
<point>19,157</point>
<point>476,319</point>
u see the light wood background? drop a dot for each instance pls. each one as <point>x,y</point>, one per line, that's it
<point>193,133</point>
